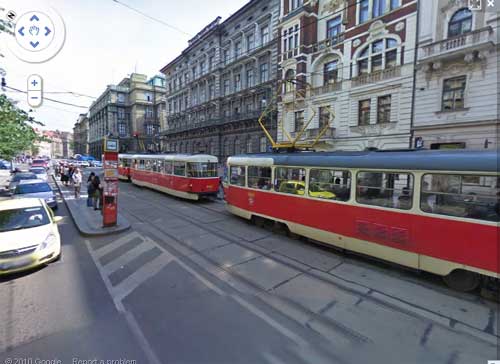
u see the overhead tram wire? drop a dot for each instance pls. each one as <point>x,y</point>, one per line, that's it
<point>153,18</point>
<point>49,99</point>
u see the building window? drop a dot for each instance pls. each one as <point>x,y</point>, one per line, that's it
<point>384,109</point>
<point>264,35</point>
<point>226,56</point>
<point>460,23</point>
<point>295,4</point>
<point>291,41</point>
<point>121,98</point>
<point>211,91</point>
<point>378,55</point>
<point>237,82</point>
<point>250,78</point>
<point>237,50</point>
<point>210,63</point>
<point>330,72</point>
<point>263,144</point>
<point>378,8</point>
<point>290,81</point>
<point>150,129</point>
<point>299,121</point>
<point>122,129</point>
<point>249,145</point>
<point>324,116</point>
<point>363,10</point>
<point>364,112</point>
<point>395,4</point>
<point>333,28</point>
<point>226,87</point>
<point>121,114</point>
<point>453,93</point>
<point>264,72</point>
<point>250,42</point>
<point>203,69</point>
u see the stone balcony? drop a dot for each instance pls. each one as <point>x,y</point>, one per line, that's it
<point>326,89</point>
<point>458,46</point>
<point>374,77</point>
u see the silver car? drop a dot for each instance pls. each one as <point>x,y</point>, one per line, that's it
<point>20,176</point>
<point>41,173</point>
<point>36,188</point>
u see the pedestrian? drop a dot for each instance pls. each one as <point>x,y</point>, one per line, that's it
<point>90,190</point>
<point>77,182</point>
<point>96,197</point>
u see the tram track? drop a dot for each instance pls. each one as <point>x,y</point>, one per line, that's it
<point>346,286</point>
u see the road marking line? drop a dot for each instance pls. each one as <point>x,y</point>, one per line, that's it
<point>143,342</point>
<point>102,251</point>
<point>126,258</point>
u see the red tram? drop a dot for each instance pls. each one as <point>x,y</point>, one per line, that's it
<point>437,211</point>
<point>185,176</point>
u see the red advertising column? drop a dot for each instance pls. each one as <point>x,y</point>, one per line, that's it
<point>110,198</point>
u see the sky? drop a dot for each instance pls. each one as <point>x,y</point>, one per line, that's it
<point>105,42</point>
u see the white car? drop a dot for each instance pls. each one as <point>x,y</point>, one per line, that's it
<point>41,173</point>
<point>29,236</point>
<point>84,164</point>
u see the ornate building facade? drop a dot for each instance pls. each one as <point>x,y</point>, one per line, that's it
<point>353,64</point>
<point>456,100</point>
<point>131,111</point>
<point>220,84</point>
<point>81,135</point>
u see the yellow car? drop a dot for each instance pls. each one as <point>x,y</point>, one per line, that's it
<point>29,236</point>
<point>299,188</point>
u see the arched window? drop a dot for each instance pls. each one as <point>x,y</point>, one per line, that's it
<point>290,81</point>
<point>181,148</point>
<point>378,55</point>
<point>227,147</point>
<point>460,23</point>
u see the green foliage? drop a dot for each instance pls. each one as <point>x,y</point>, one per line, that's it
<point>16,129</point>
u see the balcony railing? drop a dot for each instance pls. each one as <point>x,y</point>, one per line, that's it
<point>325,89</point>
<point>461,42</point>
<point>377,76</point>
<point>327,43</point>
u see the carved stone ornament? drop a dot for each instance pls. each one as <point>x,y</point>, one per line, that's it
<point>469,58</point>
<point>436,66</point>
<point>400,26</point>
<point>377,28</point>
<point>356,42</point>
<point>331,6</point>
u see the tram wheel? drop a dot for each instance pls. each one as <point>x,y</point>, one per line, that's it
<point>462,280</point>
<point>259,221</point>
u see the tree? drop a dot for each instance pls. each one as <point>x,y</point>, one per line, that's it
<point>16,129</point>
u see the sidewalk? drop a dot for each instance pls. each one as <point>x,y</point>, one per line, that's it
<point>87,220</point>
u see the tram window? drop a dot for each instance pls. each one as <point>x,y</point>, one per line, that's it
<point>328,184</point>
<point>142,165</point>
<point>180,169</point>
<point>470,196</point>
<point>237,175</point>
<point>149,165</point>
<point>159,166</point>
<point>202,169</point>
<point>168,167</point>
<point>260,178</point>
<point>392,190</point>
<point>290,180</point>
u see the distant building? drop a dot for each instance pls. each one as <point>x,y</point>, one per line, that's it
<point>57,145</point>
<point>456,97</point>
<point>132,111</point>
<point>81,135</point>
<point>220,84</point>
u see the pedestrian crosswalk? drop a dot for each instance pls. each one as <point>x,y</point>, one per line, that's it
<point>127,262</point>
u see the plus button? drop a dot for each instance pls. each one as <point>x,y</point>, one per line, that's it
<point>34,83</point>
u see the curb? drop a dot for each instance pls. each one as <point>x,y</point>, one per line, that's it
<point>85,232</point>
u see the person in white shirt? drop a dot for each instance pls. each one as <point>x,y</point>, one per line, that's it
<point>77,182</point>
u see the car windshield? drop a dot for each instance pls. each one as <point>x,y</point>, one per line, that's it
<point>38,161</point>
<point>24,218</point>
<point>20,177</point>
<point>32,188</point>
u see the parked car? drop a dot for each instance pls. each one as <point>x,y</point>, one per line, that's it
<point>4,165</point>
<point>29,235</point>
<point>97,164</point>
<point>39,163</point>
<point>36,188</point>
<point>41,173</point>
<point>84,164</point>
<point>20,176</point>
